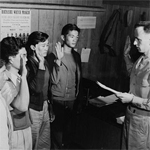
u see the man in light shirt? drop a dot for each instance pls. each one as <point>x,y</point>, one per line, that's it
<point>6,126</point>
<point>136,134</point>
<point>16,93</point>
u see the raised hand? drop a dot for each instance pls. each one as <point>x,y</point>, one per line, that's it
<point>41,60</point>
<point>59,50</point>
<point>39,57</point>
<point>127,46</point>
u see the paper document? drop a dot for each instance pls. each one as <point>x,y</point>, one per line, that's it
<point>107,88</point>
<point>85,53</point>
<point>108,99</point>
<point>120,120</point>
<point>102,101</point>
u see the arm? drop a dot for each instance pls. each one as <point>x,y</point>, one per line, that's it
<point>35,76</point>
<point>17,99</point>
<point>143,103</point>
<point>81,101</point>
<point>56,71</point>
<point>55,75</point>
<point>21,101</point>
<point>127,58</point>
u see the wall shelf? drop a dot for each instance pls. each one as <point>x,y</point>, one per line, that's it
<point>29,5</point>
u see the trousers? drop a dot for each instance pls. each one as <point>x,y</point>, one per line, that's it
<point>62,127</point>
<point>41,128</point>
<point>136,133</point>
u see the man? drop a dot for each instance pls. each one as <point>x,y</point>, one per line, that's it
<point>39,87</point>
<point>136,134</point>
<point>13,53</point>
<point>65,76</point>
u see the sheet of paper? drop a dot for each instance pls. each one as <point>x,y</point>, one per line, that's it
<point>85,53</point>
<point>107,88</point>
<point>108,99</point>
<point>102,101</point>
<point>120,120</point>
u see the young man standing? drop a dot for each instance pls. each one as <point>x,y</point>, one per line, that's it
<point>65,76</point>
<point>16,93</point>
<point>136,134</point>
<point>39,87</point>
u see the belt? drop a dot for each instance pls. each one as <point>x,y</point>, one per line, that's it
<point>139,111</point>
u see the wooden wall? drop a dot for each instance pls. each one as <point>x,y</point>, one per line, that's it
<point>111,70</point>
<point>51,15</point>
<point>60,2</point>
<point>137,3</point>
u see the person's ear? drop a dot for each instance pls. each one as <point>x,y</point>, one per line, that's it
<point>32,47</point>
<point>63,37</point>
<point>11,59</point>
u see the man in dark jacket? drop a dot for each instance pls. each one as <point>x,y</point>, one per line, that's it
<point>39,88</point>
<point>65,76</point>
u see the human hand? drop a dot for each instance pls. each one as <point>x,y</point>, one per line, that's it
<point>39,57</point>
<point>59,50</point>
<point>125,97</point>
<point>127,46</point>
<point>23,69</point>
<point>52,117</point>
<point>51,113</point>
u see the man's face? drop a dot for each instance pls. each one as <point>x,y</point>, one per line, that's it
<point>142,40</point>
<point>71,38</point>
<point>42,48</point>
<point>16,60</point>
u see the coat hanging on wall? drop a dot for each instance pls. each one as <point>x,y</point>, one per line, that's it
<point>128,18</point>
<point>110,33</point>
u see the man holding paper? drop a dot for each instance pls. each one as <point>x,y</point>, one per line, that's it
<point>136,133</point>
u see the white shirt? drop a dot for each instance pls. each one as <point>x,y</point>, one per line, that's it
<point>4,138</point>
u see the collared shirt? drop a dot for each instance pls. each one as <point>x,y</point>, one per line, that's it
<point>8,80</point>
<point>140,83</point>
<point>13,83</point>
<point>4,125</point>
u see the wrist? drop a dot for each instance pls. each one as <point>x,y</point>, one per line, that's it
<point>58,62</point>
<point>41,66</point>
<point>132,98</point>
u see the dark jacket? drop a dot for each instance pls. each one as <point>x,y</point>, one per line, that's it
<point>110,34</point>
<point>35,80</point>
<point>59,74</point>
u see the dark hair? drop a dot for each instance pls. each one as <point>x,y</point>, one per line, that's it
<point>10,46</point>
<point>145,25</point>
<point>69,27</point>
<point>33,39</point>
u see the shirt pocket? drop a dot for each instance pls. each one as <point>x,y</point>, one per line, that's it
<point>142,88</point>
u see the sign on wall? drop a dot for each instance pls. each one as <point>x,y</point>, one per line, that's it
<point>86,22</point>
<point>15,22</point>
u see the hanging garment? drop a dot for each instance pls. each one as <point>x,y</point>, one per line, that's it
<point>109,34</point>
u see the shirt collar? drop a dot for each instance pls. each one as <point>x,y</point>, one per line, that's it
<point>14,78</point>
